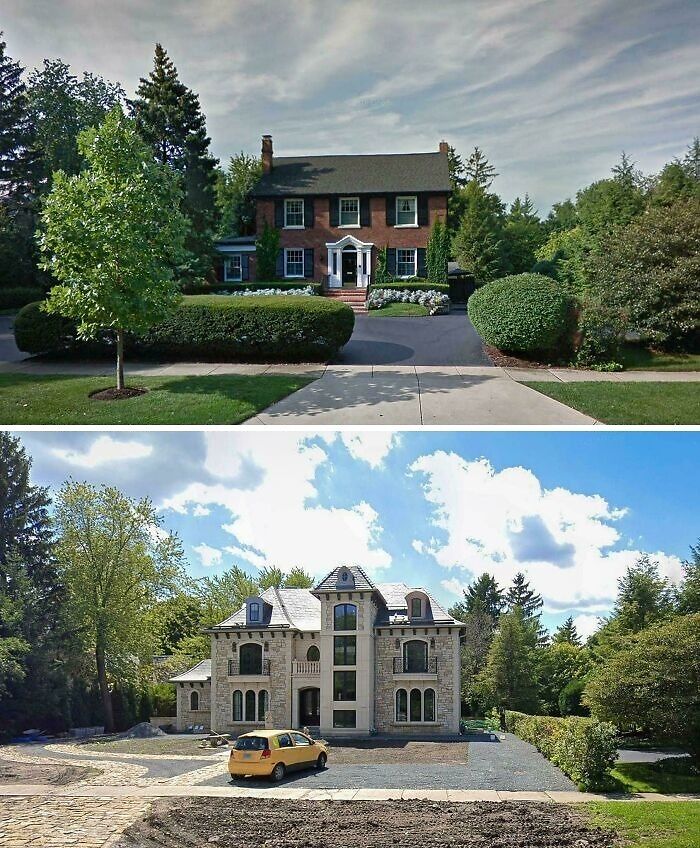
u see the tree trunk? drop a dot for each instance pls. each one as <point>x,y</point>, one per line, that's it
<point>105,694</point>
<point>120,359</point>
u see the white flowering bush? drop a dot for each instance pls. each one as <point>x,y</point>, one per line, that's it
<point>435,302</point>
<point>307,291</point>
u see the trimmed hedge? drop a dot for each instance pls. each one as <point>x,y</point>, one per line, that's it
<point>524,313</point>
<point>211,328</point>
<point>415,284</point>
<point>14,297</point>
<point>583,748</point>
<point>218,288</point>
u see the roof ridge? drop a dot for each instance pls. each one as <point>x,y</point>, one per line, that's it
<point>283,606</point>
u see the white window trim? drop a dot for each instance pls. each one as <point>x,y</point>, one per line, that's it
<point>340,212</point>
<point>415,263</point>
<point>293,276</point>
<point>229,259</point>
<point>294,226</point>
<point>413,197</point>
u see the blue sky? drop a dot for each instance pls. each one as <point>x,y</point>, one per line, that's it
<point>552,90</point>
<point>572,510</point>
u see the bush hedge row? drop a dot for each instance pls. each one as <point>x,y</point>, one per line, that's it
<point>211,328</point>
<point>524,313</point>
<point>219,288</point>
<point>583,748</point>
<point>416,284</point>
<point>14,297</point>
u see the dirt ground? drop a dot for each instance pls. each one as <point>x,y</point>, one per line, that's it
<point>164,746</point>
<point>371,752</point>
<point>11,772</point>
<point>244,822</point>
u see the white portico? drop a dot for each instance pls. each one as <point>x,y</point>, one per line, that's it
<point>349,263</point>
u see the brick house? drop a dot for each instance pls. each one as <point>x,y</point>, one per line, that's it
<point>346,657</point>
<point>335,212</point>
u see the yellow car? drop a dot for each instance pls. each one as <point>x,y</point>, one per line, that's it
<point>272,753</point>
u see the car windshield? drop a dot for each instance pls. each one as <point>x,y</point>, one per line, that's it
<point>251,743</point>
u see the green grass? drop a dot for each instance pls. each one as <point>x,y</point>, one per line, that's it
<point>400,310</point>
<point>646,777</point>
<point>636,358</point>
<point>650,824</point>
<point>629,403</point>
<point>25,399</point>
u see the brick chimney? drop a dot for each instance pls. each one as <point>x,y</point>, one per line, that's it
<point>267,154</point>
<point>444,147</point>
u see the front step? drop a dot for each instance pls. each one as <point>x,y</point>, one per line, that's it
<point>356,300</point>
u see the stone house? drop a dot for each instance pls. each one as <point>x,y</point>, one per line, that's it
<point>347,657</point>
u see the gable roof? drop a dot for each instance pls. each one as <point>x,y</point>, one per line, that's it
<point>375,173</point>
<point>199,672</point>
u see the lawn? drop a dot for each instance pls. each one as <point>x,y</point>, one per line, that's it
<point>400,310</point>
<point>629,403</point>
<point>641,359</point>
<point>647,777</point>
<point>26,399</point>
<point>650,824</point>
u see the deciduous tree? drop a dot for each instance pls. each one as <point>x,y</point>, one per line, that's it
<point>233,195</point>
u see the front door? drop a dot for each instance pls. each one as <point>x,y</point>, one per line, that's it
<point>350,267</point>
<point>310,707</point>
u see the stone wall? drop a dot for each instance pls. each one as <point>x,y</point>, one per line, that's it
<point>186,716</point>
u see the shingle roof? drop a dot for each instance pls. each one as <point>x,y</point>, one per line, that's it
<point>199,672</point>
<point>376,173</point>
<point>296,608</point>
<point>396,611</point>
<point>330,581</point>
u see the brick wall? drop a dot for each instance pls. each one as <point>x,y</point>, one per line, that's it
<point>378,233</point>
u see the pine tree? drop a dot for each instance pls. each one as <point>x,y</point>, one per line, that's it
<point>691,160</point>
<point>456,169</point>
<point>566,633</point>
<point>479,170</point>
<point>643,597</point>
<point>483,595</point>
<point>437,254</point>
<point>523,235</point>
<point>522,596</point>
<point>169,118</point>
<point>478,244</point>
<point>510,675</point>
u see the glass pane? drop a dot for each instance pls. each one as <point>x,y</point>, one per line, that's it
<point>406,210</point>
<point>238,705</point>
<point>345,649</point>
<point>250,705</point>
<point>429,705</point>
<point>343,685</point>
<point>344,718</point>
<point>401,708</point>
<point>415,704</point>
<point>415,655</point>
<point>345,617</point>
<point>262,704</point>
<point>251,659</point>
<point>313,654</point>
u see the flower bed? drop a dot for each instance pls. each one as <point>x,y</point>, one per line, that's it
<point>307,291</point>
<point>435,302</point>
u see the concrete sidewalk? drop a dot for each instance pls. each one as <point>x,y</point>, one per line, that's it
<point>300,794</point>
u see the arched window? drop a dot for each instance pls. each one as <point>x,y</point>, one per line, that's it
<point>429,705</point>
<point>262,704</point>
<point>415,656</point>
<point>250,658</point>
<point>237,705</point>
<point>415,705</point>
<point>250,705</point>
<point>401,705</point>
<point>194,700</point>
<point>345,617</point>
<point>313,654</point>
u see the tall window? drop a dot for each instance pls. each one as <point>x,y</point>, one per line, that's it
<point>262,704</point>
<point>313,654</point>
<point>415,656</point>
<point>429,705</point>
<point>254,611</point>
<point>237,705</point>
<point>406,212</point>
<point>349,212</point>
<point>415,705</point>
<point>406,262</point>
<point>344,650</point>
<point>344,686</point>
<point>232,268</point>
<point>194,700</point>
<point>345,617</point>
<point>250,705</point>
<point>416,608</point>
<point>293,213</point>
<point>250,659</point>
<point>293,262</point>
<point>401,705</point>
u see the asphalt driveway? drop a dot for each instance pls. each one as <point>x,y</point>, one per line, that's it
<point>9,352</point>
<point>435,340</point>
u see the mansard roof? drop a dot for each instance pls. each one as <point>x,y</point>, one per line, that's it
<point>362,583</point>
<point>396,611</point>
<point>198,673</point>
<point>286,608</point>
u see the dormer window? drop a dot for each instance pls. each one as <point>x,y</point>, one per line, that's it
<point>345,580</point>
<point>254,611</point>
<point>416,608</point>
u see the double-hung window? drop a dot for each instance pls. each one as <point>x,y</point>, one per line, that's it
<point>349,212</point>
<point>293,213</point>
<point>293,262</point>
<point>406,211</point>
<point>406,262</point>
<point>233,270</point>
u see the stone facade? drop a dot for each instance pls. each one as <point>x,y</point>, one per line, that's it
<point>188,717</point>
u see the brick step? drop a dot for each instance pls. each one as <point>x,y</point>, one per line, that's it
<point>347,295</point>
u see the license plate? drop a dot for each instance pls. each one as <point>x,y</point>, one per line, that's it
<point>247,756</point>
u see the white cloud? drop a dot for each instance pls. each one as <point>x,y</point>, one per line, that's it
<point>104,449</point>
<point>199,511</point>
<point>586,625</point>
<point>505,521</point>
<point>209,556</point>
<point>253,556</point>
<point>370,447</point>
<point>274,512</point>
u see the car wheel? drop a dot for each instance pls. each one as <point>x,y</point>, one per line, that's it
<point>321,761</point>
<point>278,772</point>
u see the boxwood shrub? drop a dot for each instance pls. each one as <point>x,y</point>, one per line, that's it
<point>212,328</point>
<point>583,748</point>
<point>14,297</point>
<point>524,313</point>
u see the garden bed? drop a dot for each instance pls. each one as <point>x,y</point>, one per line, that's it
<point>36,773</point>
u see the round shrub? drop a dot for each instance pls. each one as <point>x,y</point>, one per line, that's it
<point>38,332</point>
<point>524,313</point>
<point>14,297</point>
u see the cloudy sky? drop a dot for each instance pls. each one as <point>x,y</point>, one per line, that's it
<point>571,510</point>
<point>552,90</point>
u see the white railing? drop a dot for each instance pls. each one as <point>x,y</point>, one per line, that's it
<point>306,667</point>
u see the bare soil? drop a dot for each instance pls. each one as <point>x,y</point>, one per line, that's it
<point>362,752</point>
<point>157,746</point>
<point>114,393</point>
<point>12,772</point>
<point>242,822</point>
<point>507,360</point>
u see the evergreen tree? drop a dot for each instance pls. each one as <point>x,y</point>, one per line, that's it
<point>477,244</point>
<point>691,160</point>
<point>456,167</point>
<point>643,597</point>
<point>169,118</point>
<point>483,595</point>
<point>523,235</point>
<point>267,247</point>
<point>521,595</point>
<point>438,253</point>
<point>509,676</point>
<point>233,195</point>
<point>566,633</point>
<point>562,216</point>
<point>479,170</point>
<point>689,593</point>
